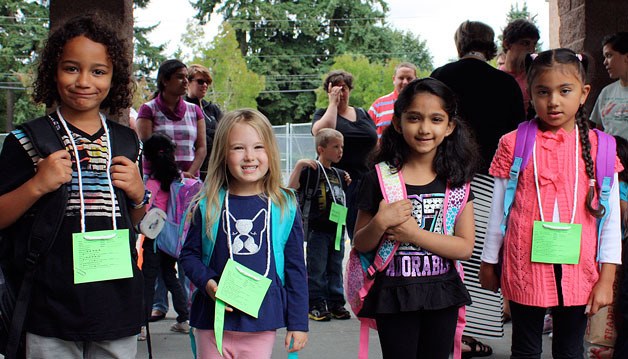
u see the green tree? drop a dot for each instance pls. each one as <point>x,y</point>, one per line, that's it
<point>292,43</point>
<point>23,26</point>
<point>147,57</point>
<point>234,85</point>
<point>514,14</point>
<point>23,30</point>
<point>370,79</point>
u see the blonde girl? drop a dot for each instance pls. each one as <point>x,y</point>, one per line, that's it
<point>244,214</point>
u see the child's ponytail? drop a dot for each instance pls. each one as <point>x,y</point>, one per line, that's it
<point>159,152</point>
<point>583,128</point>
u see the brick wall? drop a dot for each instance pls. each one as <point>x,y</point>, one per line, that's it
<point>583,25</point>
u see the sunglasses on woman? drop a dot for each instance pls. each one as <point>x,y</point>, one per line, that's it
<point>201,82</point>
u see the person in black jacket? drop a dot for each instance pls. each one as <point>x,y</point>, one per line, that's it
<point>200,80</point>
<point>492,104</point>
<point>490,100</point>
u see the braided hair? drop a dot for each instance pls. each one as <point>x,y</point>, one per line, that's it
<point>545,61</point>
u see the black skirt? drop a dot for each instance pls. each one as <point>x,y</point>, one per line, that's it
<point>432,293</point>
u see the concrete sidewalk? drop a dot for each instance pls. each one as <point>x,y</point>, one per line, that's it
<point>338,339</point>
<point>330,340</point>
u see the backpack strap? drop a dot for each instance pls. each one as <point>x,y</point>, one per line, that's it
<point>51,209</point>
<point>393,189</point>
<point>309,192</point>
<point>455,201</point>
<point>453,204</point>
<point>604,177</point>
<point>124,142</point>
<point>526,135</point>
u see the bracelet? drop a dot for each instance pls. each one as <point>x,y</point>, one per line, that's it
<point>143,202</point>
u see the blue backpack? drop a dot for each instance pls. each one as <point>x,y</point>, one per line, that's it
<point>604,169</point>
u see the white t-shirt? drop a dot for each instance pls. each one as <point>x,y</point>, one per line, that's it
<point>611,109</point>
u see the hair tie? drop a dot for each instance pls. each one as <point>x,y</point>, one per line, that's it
<point>534,56</point>
<point>579,56</point>
<point>592,182</point>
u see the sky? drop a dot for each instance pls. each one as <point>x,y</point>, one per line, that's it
<point>435,21</point>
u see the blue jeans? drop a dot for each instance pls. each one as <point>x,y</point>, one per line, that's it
<point>324,269</point>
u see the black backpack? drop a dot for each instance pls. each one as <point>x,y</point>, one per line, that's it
<point>305,195</point>
<point>40,224</point>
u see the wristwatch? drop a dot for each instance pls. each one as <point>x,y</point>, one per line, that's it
<point>143,202</point>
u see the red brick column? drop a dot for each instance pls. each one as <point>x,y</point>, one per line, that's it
<point>583,25</point>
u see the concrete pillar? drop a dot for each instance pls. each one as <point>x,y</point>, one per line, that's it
<point>583,25</point>
<point>120,11</point>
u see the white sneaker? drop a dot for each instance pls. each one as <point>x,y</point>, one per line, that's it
<point>182,327</point>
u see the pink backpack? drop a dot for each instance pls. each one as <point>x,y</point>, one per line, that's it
<point>362,267</point>
<point>171,238</point>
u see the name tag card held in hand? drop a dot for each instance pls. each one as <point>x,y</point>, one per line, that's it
<point>241,288</point>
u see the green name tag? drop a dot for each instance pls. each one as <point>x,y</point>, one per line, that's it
<point>242,288</point>
<point>557,243</point>
<point>338,214</point>
<point>101,255</point>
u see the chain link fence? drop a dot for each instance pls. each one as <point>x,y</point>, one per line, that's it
<point>295,142</point>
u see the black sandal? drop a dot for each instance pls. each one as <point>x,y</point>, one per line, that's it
<point>478,349</point>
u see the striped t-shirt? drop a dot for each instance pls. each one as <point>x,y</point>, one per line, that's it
<point>93,154</point>
<point>381,111</point>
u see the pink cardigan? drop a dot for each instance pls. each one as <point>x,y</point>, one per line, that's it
<point>530,283</point>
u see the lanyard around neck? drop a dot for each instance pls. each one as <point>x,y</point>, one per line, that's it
<point>575,187</point>
<point>331,190</point>
<point>229,245</point>
<point>80,176</point>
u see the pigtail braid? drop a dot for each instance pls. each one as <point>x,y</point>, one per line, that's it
<point>583,128</point>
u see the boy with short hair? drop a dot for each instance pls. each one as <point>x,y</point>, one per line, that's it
<point>319,185</point>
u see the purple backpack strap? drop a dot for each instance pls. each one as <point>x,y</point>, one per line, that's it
<point>526,135</point>
<point>604,176</point>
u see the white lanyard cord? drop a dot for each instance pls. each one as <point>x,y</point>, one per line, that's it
<point>80,176</point>
<point>575,189</point>
<point>267,233</point>
<point>331,190</point>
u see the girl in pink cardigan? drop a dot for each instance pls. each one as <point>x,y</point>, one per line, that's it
<point>548,267</point>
